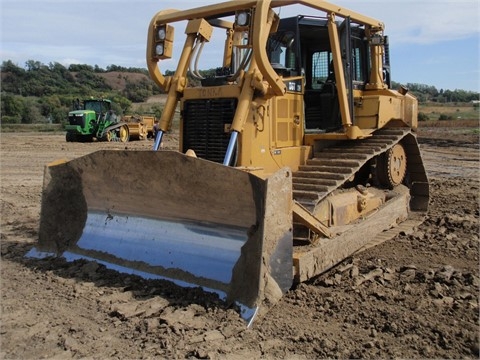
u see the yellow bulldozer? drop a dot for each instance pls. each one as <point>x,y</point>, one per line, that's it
<point>295,154</point>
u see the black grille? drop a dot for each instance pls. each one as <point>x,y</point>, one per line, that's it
<point>76,120</point>
<point>204,127</point>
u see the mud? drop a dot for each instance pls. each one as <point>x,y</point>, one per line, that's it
<point>415,296</point>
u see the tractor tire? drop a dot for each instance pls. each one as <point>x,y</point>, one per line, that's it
<point>124,134</point>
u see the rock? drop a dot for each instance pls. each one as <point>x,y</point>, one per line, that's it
<point>153,306</point>
<point>345,267</point>
<point>151,324</point>
<point>407,289</point>
<point>438,287</point>
<point>456,283</point>
<point>116,297</point>
<point>369,345</point>
<point>355,271</point>
<point>408,275</point>
<point>475,349</point>
<point>388,277</point>
<point>379,295</point>
<point>426,350</point>
<point>327,344</point>
<point>465,295</point>
<point>445,273</point>
<point>69,343</point>
<point>195,339</point>
<point>272,344</point>
<point>369,276</point>
<point>77,290</point>
<point>127,310</point>
<point>327,282</point>
<point>337,279</point>
<point>213,335</point>
<point>445,301</point>
<point>448,300</point>
<point>185,317</point>
<point>419,235</point>
<point>390,327</point>
<point>451,237</point>
<point>429,274</point>
<point>472,280</point>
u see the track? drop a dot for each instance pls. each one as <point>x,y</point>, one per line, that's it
<point>334,166</point>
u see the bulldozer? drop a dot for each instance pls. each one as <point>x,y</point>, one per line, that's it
<point>293,156</point>
<point>94,118</point>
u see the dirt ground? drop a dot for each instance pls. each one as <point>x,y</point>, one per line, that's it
<point>416,296</point>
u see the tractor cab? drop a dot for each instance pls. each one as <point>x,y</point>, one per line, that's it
<point>102,107</point>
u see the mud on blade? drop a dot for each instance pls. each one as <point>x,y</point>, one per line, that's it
<point>195,222</point>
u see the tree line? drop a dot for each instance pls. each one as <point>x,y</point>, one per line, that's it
<point>44,92</point>
<point>41,92</point>
<point>429,93</point>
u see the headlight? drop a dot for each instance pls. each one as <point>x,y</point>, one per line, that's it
<point>377,39</point>
<point>161,33</point>
<point>242,18</point>
<point>162,41</point>
<point>159,49</point>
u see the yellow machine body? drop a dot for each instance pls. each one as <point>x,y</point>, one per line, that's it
<point>299,154</point>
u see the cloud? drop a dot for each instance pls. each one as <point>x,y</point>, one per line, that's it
<point>426,21</point>
<point>105,32</point>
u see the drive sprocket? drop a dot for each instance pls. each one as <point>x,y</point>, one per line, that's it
<point>392,166</point>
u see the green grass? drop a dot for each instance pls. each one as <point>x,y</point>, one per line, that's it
<point>457,123</point>
<point>31,128</point>
<point>450,111</point>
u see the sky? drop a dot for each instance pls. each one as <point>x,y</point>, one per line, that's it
<point>432,42</point>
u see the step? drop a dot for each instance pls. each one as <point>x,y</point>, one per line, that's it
<point>318,175</point>
<point>315,181</point>
<point>334,162</point>
<point>308,195</point>
<point>326,169</point>
<point>311,187</point>
<point>339,153</point>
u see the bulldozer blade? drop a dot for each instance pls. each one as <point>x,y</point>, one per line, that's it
<point>170,216</point>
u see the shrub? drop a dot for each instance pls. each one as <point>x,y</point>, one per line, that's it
<point>423,117</point>
<point>445,117</point>
<point>7,119</point>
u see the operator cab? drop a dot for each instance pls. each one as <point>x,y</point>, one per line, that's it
<point>301,46</point>
<point>101,107</point>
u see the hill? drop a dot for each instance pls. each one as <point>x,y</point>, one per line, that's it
<point>44,93</point>
<point>118,80</point>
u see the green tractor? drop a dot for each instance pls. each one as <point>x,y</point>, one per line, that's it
<point>95,119</point>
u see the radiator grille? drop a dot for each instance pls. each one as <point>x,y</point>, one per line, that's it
<point>204,127</point>
<point>76,119</point>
